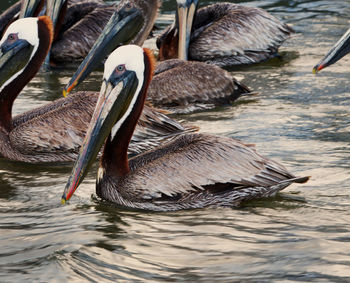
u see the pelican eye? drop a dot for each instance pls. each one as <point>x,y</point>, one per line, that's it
<point>12,37</point>
<point>128,6</point>
<point>120,69</point>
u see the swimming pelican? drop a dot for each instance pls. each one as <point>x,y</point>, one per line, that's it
<point>54,132</point>
<point>193,171</point>
<point>78,23</point>
<point>338,51</point>
<point>186,86</point>
<point>223,34</point>
<point>178,86</point>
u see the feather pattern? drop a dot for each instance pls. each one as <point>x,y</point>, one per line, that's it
<point>230,34</point>
<point>87,18</point>
<point>193,171</point>
<point>85,21</point>
<point>178,84</point>
<point>83,17</point>
<point>54,132</point>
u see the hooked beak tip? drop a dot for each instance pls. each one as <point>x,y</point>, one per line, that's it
<point>317,68</point>
<point>66,90</point>
<point>63,200</point>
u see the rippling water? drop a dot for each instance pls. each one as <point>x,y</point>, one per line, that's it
<point>303,234</point>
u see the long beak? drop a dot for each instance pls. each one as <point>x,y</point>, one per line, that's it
<point>113,102</point>
<point>120,30</point>
<point>185,12</point>
<point>338,51</point>
<point>29,8</point>
<point>53,9</point>
<point>13,58</point>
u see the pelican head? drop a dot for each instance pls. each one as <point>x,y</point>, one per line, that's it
<point>132,21</point>
<point>338,51</point>
<point>126,76</point>
<point>23,39</point>
<point>185,13</point>
<point>30,8</point>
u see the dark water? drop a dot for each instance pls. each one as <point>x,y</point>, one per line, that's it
<point>302,235</point>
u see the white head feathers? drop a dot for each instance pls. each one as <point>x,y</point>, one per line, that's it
<point>132,57</point>
<point>129,55</point>
<point>26,28</point>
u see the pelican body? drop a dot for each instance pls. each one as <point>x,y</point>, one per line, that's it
<point>85,21</point>
<point>223,34</point>
<point>77,24</point>
<point>186,86</point>
<point>178,86</point>
<point>54,132</point>
<point>193,171</point>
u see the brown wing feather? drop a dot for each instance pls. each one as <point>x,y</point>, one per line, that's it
<point>179,83</point>
<point>195,161</point>
<point>230,29</point>
<point>59,127</point>
<point>71,45</point>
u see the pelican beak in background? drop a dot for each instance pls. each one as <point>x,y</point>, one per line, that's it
<point>122,27</point>
<point>53,9</point>
<point>338,51</point>
<point>115,98</point>
<point>14,56</point>
<point>30,8</point>
<point>185,13</point>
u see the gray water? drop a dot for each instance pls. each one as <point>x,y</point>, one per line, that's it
<point>302,234</point>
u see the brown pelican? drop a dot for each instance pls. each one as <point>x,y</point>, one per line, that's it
<point>338,51</point>
<point>77,26</point>
<point>178,86</point>
<point>193,171</point>
<point>223,34</point>
<point>85,20</point>
<point>78,23</point>
<point>54,132</point>
<point>185,86</point>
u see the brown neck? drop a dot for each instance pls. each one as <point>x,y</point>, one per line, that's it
<point>11,91</point>
<point>115,154</point>
<point>170,46</point>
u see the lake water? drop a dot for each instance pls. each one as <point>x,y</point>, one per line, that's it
<point>303,234</point>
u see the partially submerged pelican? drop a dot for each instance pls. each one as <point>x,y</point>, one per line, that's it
<point>338,51</point>
<point>186,86</point>
<point>223,34</point>
<point>178,86</point>
<point>193,171</point>
<point>54,132</point>
<point>84,21</point>
<point>77,24</point>
<point>142,15</point>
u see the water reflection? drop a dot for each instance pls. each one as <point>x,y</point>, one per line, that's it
<point>302,234</point>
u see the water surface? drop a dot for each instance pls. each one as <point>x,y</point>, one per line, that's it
<point>302,234</point>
